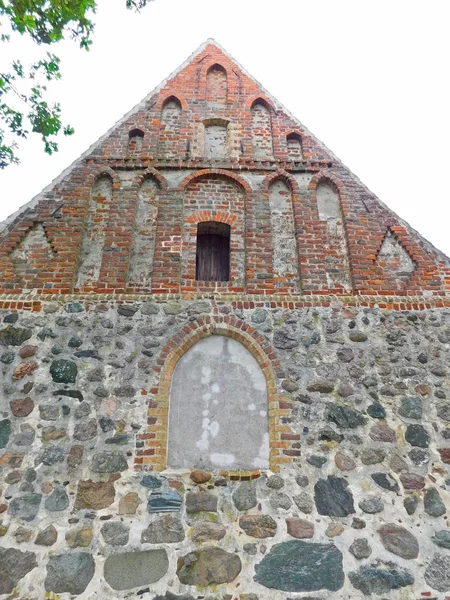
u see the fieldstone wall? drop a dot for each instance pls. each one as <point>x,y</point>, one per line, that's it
<point>357,509</point>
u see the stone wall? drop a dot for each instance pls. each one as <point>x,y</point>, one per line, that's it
<point>355,503</point>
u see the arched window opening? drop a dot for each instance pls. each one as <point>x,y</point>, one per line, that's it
<point>294,146</point>
<point>216,85</point>
<point>222,386</point>
<point>261,130</point>
<point>171,112</point>
<point>213,251</point>
<point>135,141</point>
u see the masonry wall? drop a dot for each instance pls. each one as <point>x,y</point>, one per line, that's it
<point>354,503</point>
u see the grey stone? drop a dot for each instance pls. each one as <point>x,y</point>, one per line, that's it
<point>380,577</point>
<point>304,502</point>
<point>371,506</point>
<point>437,574</point>
<point>250,549</point>
<point>86,430</point>
<point>109,462</point>
<point>381,432</point>
<point>344,416</point>
<point>417,435</point>
<point>173,308</point>
<point>7,357</point>
<point>360,548</point>
<point>49,412</point>
<point>207,567</point>
<point>58,500</point>
<point>82,410</point>
<point>115,533</point>
<point>244,497</point>
<point>284,339</point>
<point>322,386</point>
<point>149,308</point>
<point>345,354</point>
<point>164,530</point>
<point>280,501</point>
<point>127,310</point>
<point>69,573</point>
<point>410,503</point>
<point>372,456</point>
<point>442,538</point>
<point>443,411</point>
<point>297,566</point>
<point>386,481</point>
<point>201,502</point>
<point>151,482</point>
<point>258,526</point>
<point>301,480</point>
<point>14,336</point>
<point>25,507</point>
<point>316,461</point>
<point>14,564</point>
<point>289,386</point>
<point>131,570</point>
<point>73,307</point>
<point>259,315</point>
<point>160,502</point>
<point>205,530</point>
<point>399,541</point>
<point>357,336</point>
<point>51,455</point>
<point>199,308</point>
<point>46,537</point>
<point>376,411</point>
<point>5,432</point>
<point>275,482</point>
<point>63,371</point>
<point>332,498</point>
<point>433,504</point>
<point>411,408</point>
<point>125,391</point>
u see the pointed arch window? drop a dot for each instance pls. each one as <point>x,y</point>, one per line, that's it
<point>213,251</point>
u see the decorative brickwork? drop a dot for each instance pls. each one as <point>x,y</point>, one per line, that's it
<point>284,445</point>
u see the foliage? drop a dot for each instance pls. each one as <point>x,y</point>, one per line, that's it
<point>23,107</point>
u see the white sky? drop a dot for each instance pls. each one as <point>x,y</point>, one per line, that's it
<point>369,79</point>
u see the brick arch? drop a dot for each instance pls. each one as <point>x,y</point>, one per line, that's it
<point>328,178</point>
<point>221,216</point>
<point>94,175</point>
<point>150,172</point>
<point>166,97</point>
<point>284,176</point>
<point>240,181</point>
<point>283,444</point>
<point>251,100</point>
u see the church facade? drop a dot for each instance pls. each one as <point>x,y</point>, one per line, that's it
<point>224,366</point>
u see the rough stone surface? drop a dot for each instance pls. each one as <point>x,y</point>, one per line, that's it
<point>69,573</point>
<point>360,548</point>
<point>164,530</point>
<point>399,541</point>
<point>299,528</point>
<point>333,498</point>
<point>259,526</point>
<point>208,566</point>
<point>204,531</point>
<point>433,503</point>
<point>297,566</point>
<point>437,574</point>
<point>14,564</point>
<point>25,507</point>
<point>380,577</point>
<point>94,495</point>
<point>201,502</point>
<point>244,497</point>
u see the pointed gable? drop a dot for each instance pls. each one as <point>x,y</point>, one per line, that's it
<point>210,144</point>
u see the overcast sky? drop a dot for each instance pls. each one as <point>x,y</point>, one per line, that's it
<point>369,79</point>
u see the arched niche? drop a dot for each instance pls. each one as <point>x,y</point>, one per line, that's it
<point>216,85</point>
<point>135,141</point>
<point>171,112</point>
<point>143,244</point>
<point>218,408</point>
<point>294,146</point>
<point>261,130</point>
<point>284,245</point>
<point>91,253</point>
<point>335,244</point>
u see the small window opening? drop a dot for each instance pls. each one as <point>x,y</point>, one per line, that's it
<point>213,252</point>
<point>294,146</point>
<point>135,140</point>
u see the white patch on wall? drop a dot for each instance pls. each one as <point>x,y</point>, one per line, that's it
<point>396,264</point>
<point>211,424</point>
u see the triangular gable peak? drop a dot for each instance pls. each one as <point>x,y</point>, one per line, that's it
<point>210,144</point>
